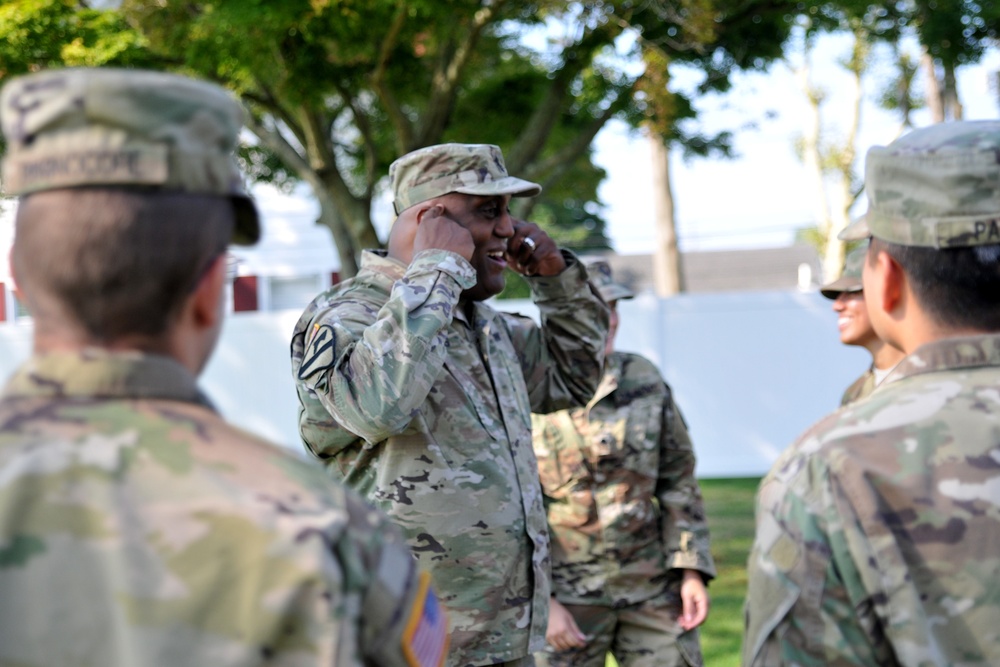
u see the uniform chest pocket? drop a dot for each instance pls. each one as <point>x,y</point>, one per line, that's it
<point>643,421</point>
<point>460,411</point>
<point>642,430</point>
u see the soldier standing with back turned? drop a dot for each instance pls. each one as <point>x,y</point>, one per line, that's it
<point>878,530</point>
<point>137,528</point>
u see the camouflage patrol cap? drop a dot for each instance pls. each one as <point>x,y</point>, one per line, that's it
<point>114,127</point>
<point>471,169</point>
<point>599,272</point>
<point>850,277</point>
<point>937,187</point>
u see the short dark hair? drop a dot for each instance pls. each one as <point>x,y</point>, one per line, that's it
<point>958,287</point>
<point>115,261</point>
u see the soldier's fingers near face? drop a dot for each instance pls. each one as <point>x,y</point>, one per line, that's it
<point>547,260</point>
<point>436,229</point>
<point>533,252</point>
<point>523,244</point>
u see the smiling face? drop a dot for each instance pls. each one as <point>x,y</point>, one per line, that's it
<point>488,220</point>
<point>852,319</point>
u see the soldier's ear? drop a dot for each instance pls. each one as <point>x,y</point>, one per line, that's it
<point>885,283</point>
<point>193,335</point>
<point>208,298</point>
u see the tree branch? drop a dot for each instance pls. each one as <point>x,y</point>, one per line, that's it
<point>272,138</point>
<point>561,160</point>
<point>317,139</point>
<point>270,103</point>
<point>444,86</point>
<point>533,137</point>
<point>397,116</point>
<point>353,210</point>
<point>367,137</point>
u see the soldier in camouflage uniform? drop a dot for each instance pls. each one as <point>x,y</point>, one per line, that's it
<point>856,328</point>
<point>419,395</point>
<point>878,531</point>
<point>630,547</point>
<point>137,528</point>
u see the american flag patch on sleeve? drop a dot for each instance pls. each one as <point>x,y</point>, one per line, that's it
<point>425,640</point>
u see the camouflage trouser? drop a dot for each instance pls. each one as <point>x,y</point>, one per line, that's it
<point>642,635</point>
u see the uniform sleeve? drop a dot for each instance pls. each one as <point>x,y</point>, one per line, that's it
<point>402,622</point>
<point>682,510</point>
<point>806,604</point>
<point>371,368</point>
<point>563,359</point>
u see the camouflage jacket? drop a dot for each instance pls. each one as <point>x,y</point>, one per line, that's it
<point>860,388</point>
<point>138,529</point>
<point>877,531</point>
<point>427,414</point>
<point>623,504</point>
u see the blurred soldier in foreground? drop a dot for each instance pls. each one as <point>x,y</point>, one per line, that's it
<point>856,328</point>
<point>136,526</point>
<point>630,548</point>
<point>878,530</point>
<point>419,395</point>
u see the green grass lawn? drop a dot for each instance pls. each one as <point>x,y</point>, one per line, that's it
<point>729,505</point>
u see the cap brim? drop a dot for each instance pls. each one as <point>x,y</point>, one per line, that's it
<point>615,292</point>
<point>515,187</point>
<point>247,229</point>
<point>856,231</point>
<point>839,286</point>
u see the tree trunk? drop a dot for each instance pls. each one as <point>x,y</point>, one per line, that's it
<point>318,169</point>
<point>833,254</point>
<point>341,238</point>
<point>667,274</point>
<point>811,158</point>
<point>331,215</point>
<point>935,97</point>
<point>952,104</point>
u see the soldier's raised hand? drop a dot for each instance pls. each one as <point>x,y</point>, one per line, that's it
<point>532,252</point>
<point>437,230</point>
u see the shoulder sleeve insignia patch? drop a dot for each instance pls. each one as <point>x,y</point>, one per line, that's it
<point>319,352</point>
<point>425,639</point>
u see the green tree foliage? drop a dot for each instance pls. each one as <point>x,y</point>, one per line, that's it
<point>37,34</point>
<point>955,32</point>
<point>952,33</point>
<point>335,89</point>
<point>352,85</point>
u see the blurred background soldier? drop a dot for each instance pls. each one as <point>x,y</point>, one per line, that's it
<point>630,546</point>
<point>136,526</point>
<point>878,530</point>
<point>419,395</point>
<point>856,328</point>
